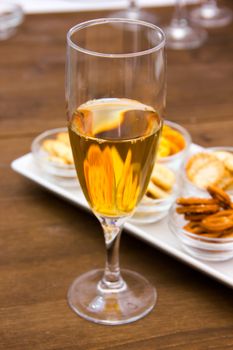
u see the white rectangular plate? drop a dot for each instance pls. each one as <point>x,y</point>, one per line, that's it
<point>157,234</point>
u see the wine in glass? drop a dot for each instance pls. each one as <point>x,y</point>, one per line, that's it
<point>115,91</point>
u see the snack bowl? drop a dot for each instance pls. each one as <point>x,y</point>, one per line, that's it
<point>197,245</point>
<point>64,174</point>
<point>175,161</point>
<point>191,188</point>
<point>152,210</point>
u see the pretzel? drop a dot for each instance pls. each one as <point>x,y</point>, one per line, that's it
<point>198,209</point>
<point>198,230</point>
<point>227,234</point>
<point>193,227</point>
<point>219,222</point>
<point>210,234</point>
<point>195,201</point>
<point>220,196</point>
<point>194,217</point>
<point>226,213</point>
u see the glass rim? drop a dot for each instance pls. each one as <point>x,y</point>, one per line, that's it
<point>93,22</point>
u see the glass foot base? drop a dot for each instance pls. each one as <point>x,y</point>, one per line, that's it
<point>211,16</point>
<point>184,37</point>
<point>133,301</point>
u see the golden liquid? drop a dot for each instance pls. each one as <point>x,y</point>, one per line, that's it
<point>114,144</point>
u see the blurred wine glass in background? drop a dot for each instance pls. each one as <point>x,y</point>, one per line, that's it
<point>180,33</point>
<point>209,14</point>
<point>11,17</point>
<point>133,11</point>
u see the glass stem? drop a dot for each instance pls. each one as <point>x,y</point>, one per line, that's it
<point>180,17</point>
<point>210,3</point>
<point>112,279</point>
<point>133,5</point>
<point>209,8</point>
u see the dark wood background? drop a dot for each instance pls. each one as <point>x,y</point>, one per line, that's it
<point>45,242</point>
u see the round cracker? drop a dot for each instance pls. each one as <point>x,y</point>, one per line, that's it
<point>226,181</point>
<point>210,173</point>
<point>226,157</point>
<point>196,162</point>
<point>222,155</point>
<point>163,177</point>
<point>229,163</point>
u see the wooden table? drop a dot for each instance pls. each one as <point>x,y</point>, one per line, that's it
<point>45,242</point>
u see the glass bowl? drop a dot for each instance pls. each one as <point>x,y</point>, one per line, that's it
<point>11,16</point>
<point>152,210</point>
<point>189,188</point>
<point>175,161</point>
<point>205,248</point>
<point>64,174</point>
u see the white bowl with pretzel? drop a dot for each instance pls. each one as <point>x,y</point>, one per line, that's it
<point>204,226</point>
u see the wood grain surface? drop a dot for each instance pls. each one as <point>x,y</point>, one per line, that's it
<point>45,242</point>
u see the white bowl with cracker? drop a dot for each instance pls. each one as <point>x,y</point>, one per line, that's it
<point>210,166</point>
<point>52,153</point>
<point>160,195</point>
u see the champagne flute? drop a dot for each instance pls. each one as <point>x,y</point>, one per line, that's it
<point>133,11</point>
<point>180,34</point>
<point>115,92</point>
<point>209,14</point>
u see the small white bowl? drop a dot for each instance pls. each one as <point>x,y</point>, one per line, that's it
<point>205,248</point>
<point>64,174</point>
<point>11,16</point>
<point>175,161</point>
